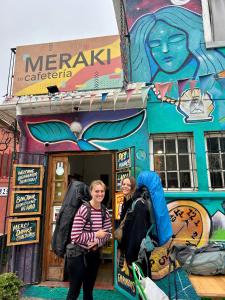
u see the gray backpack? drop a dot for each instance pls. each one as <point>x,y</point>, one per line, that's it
<point>207,260</point>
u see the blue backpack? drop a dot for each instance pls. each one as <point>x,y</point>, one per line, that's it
<point>152,182</point>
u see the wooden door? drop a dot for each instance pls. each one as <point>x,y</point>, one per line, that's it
<point>53,266</point>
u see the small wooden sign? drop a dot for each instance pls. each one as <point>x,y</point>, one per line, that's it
<point>119,199</point>
<point>119,178</point>
<point>23,231</point>
<point>25,203</point>
<point>27,176</point>
<point>123,159</point>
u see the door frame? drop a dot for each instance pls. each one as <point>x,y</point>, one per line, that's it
<point>49,203</point>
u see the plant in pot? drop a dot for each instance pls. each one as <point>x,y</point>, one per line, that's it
<point>10,286</point>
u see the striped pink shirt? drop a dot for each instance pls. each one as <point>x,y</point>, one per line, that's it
<point>81,233</point>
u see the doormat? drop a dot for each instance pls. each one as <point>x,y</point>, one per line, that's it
<point>60,293</point>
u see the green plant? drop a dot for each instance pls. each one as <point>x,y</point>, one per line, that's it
<point>10,286</point>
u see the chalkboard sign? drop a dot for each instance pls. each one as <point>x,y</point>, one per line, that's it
<point>23,231</point>
<point>26,176</point>
<point>25,203</point>
<point>119,178</point>
<point>123,159</point>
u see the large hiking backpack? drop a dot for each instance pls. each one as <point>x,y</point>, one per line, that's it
<point>77,192</point>
<point>76,195</point>
<point>163,226</point>
<point>207,260</point>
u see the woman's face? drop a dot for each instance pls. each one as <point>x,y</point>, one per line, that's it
<point>98,193</point>
<point>126,187</point>
<point>168,46</point>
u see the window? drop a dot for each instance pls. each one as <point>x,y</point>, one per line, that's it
<point>213,12</point>
<point>173,158</point>
<point>215,145</point>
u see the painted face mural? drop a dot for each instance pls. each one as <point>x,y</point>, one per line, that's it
<point>167,46</point>
<point>168,33</point>
<point>166,43</point>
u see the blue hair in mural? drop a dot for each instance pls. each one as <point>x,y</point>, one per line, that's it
<point>169,44</point>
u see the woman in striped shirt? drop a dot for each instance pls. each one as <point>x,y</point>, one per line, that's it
<point>88,238</point>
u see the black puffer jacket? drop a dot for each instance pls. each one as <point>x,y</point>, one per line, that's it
<point>137,223</point>
<point>77,192</point>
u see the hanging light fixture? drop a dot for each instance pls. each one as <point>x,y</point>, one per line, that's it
<point>76,127</point>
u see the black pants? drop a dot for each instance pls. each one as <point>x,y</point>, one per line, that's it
<point>82,269</point>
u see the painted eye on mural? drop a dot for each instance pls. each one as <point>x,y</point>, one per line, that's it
<point>175,38</point>
<point>191,225</point>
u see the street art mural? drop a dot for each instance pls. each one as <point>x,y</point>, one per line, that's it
<point>167,45</point>
<point>193,222</point>
<point>106,130</point>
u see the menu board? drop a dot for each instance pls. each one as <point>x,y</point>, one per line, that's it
<point>25,203</point>
<point>27,176</point>
<point>119,178</point>
<point>23,231</point>
<point>123,159</point>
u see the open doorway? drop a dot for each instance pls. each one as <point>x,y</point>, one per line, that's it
<point>84,166</point>
<point>87,168</point>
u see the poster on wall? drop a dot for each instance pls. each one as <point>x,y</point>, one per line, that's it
<point>25,203</point>
<point>119,198</point>
<point>23,231</point>
<point>27,176</point>
<point>123,159</point>
<point>119,177</point>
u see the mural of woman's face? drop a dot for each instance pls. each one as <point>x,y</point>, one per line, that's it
<point>168,46</point>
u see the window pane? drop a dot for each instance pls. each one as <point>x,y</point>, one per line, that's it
<point>214,161</point>
<point>163,180</point>
<point>170,146</point>
<point>223,161</point>
<point>212,145</point>
<point>183,162</point>
<point>185,180</point>
<point>216,179</point>
<point>182,146</point>
<point>171,163</point>
<point>172,180</point>
<point>217,9</point>
<point>222,144</point>
<point>158,146</point>
<point>159,164</point>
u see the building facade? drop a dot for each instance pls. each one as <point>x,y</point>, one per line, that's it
<point>164,112</point>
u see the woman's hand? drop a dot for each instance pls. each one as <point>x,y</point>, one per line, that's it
<point>100,234</point>
<point>93,245</point>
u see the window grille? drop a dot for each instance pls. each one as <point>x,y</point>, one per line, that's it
<point>215,153</point>
<point>173,158</point>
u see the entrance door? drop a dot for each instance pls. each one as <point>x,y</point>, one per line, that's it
<point>85,167</point>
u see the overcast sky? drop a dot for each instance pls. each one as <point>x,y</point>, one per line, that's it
<point>24,22</point>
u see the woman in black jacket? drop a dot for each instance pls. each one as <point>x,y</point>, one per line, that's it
<point>136,210</point>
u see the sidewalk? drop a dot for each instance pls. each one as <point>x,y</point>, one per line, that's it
<point>34,292</point>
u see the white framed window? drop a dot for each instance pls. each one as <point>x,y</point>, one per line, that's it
<point>215,153</point>
<point>173,158</point>
<point>213,14</point>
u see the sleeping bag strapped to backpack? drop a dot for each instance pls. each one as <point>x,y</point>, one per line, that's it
<point>152,182</point>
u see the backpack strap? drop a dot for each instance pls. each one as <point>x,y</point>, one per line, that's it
<point>88,218</point>
<point>103,209</point>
